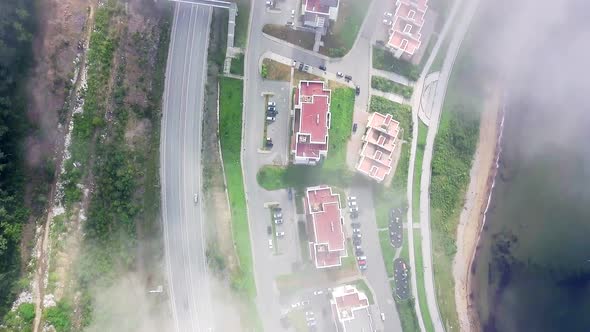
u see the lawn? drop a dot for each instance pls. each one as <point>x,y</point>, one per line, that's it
<point>385,85</point>
<point>342,34</point>
<point>419,271</point>
<point>230,129</point>
<point>407,315</point>
<point>300,38</point>
<point>237,65</point>
<point>242,22</point>
<point>341,109</point>
<point>387,250</point>
<point>362,286</point>
<point>421,144</point>
<point>275,71</point>
<point>384,60</point>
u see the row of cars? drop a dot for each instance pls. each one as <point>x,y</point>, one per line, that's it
<point>357,238</point>
<point>396,232</point>
<point>307,68</point>
<point>277,219</point>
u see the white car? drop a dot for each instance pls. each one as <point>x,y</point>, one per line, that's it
<point>388,14</point>
<point>382,316</point>
<point>196,198</point>
<point>272,103</point>
<point>280,234</point>
<point>269,243</point>
<point>292,12</point>
<point>318,292</point>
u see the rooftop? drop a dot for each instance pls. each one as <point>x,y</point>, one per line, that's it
<point>312,120</point>
<point>350,309</point>
<point>379,143</point>
<point>320,6</point>
<point>408,20</point>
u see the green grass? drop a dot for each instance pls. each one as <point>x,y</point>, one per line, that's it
<point>385,85</point>
<point>419,271</point>
<point>237,65</point>
<point>388,251</point>
<point>384,60</point>
<point>407,315</point>
<point>341,110</point>
<point>303,241</point>
<point>242,21</point>
<point>342,34</point>
<point>230,132</point>
<point>362,286</point>
<point>421,144</point>
<point>405,253</point>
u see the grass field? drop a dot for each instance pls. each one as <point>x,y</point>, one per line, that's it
<point>384,60</point>
<point>341,109</point>
<point>385,85</point>
<point>407,315</point>
<point>237,65</point>
<point>276,71</point>
<point>342,35</point>
<point>388,251</point>
<point>230,129</point>
<point>242,21</point>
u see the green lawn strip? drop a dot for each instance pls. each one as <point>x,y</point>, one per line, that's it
<point>405,253</point>
<point>242,22</point>
<point>230,132</point>
<point>407,315</point>
<point>387,250</point>
<point>362,286</point>
<point>303,241</point>
<point>342,34</point>
<point>349,262</point>
<point>301,176</point>
<point>419,271</point>
<point>384,60</point>
<point>385,85</point>
<point>422,133</point>
<point>341,110</point>
<point>237,65</point>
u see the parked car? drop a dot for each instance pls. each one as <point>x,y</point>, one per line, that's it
<point>271,113</point>
<point>290,194</point>
<point>361,258</point>
<point>354,127</point>
<point>269,230</point>
<point>269,144</point>
<point>357,246</point>
<point>290,23</point>
<point>301,66</point>
<point>196,198</point>
<point>269,243</point>
<point>339,74</point>
<point>386,22</point>
<point>354,214</point>
<point>388,14</point>
<point>323,67</point>
<point>348,78</point>
<point>271,119</point>
<point>359,252</point>
<point>318,292</point>
<point>292,12</point>
<point>356,241</point>
<point>307,68</point>
<point>279,221</point>
<point>280,234</point>
<point>356,235</point>
<point>278,214</point>
<point>382,316</point>
<point>356,230</point>
<point>272,103</point>
<point>358,90</point>
<point>355,225</point>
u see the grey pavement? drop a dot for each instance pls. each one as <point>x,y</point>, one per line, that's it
<point>461,27</point>
<point>375,273</point>
<point>180,172</point>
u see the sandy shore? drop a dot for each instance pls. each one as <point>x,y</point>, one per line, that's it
<point>471,219</point>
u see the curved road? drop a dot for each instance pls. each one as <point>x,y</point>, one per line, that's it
<point>180,172</point>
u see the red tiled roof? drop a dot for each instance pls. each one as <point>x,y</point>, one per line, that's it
<point>312,119</point>
<point>379,144</point>
<point>316,6</point>
<point>407,23</point>
<point>345,301</point>
<point>328,241</point>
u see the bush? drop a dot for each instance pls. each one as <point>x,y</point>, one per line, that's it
<point>384,60</point>
<point>264,71</point>
<point>385,85</point>
<point>59,316</point>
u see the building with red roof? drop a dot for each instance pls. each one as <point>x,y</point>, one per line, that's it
<point>325,227</point>
<point>311,123</point>
<point>318,13</point>
<point>379,142</point>
<point>350,309</point>
<point>405,32</point>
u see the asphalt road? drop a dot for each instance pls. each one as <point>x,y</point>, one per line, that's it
<point>180,172</point>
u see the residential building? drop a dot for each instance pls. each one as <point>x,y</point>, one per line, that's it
<point>405,31</point>
<point>311,123</point>
<point>318,13</point>
<point>350,309</point>
<point>327,244</point>
<point>379,143</point>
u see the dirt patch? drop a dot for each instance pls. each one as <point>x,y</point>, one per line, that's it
<point>137,131</point>
<point>303,76</point>
<point>277,71</point>
<point>300,38</point>
<point>470,222</point>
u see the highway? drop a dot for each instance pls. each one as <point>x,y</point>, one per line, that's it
<point>180,170</point>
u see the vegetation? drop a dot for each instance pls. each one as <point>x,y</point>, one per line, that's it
<point>275,71</point>
<point>230,133</point>
<point>341,110</point>
<point>342,34</point>
<point>59,316</point>
<point>300,38</point>
<point>418,158</point>
<point>19,320</point>
<point>419,271</point>
<point>384,60</point>
<point>17,24</point>
<point>242,22</point>
<point>385,85</point>
<point>237,65</point>
<point>400,112</point>
<point>407,315</point>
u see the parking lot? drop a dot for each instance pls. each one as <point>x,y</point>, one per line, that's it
<point>313,306</point>
<point>402,279</point>
<point>283,231</point>
<point>396,231</point>
<point>279,129</point>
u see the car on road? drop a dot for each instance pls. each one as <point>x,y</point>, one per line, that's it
<point>382,316</point>
<point>280,234</point>
<point>318,292</point>
<point>358,90</point>
<point>339,74</point>
<point>322,67</point>
<point>196,198</point>
<point>354,127</point>
<point>269,243</point>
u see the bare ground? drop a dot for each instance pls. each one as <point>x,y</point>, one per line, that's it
<point>471,218</point>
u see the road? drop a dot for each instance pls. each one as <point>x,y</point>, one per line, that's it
<point>180,172</point>
<point>376,273</point>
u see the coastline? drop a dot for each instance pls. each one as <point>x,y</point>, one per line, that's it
<point>476,201</point>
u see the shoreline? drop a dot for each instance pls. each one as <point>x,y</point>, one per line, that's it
<point>476,203</point>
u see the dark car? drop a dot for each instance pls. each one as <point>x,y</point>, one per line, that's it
<point>322,67</point>
<point>269,230</point>
<point>290,192</point>
<point>355,225</point>
<point>348,78</point>
<point>301,66</point>
<point>358,90</point>
<point>354,127</point>
<point>269,143</point>
<point>358,252</point>
<point>356,241</point>
<point>354,214</point>
<point>271,113</point>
